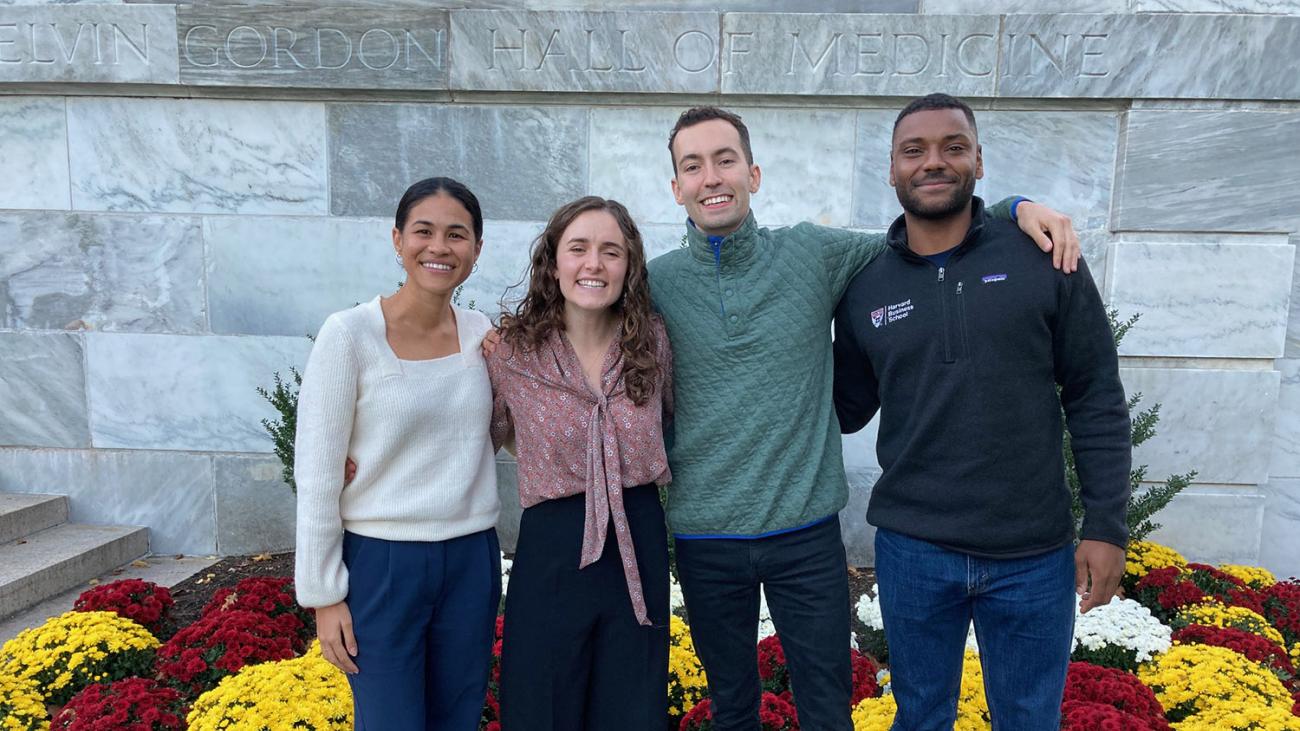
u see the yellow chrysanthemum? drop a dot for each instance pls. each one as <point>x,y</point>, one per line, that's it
<point>874,714</point>
<point>687,684</point>
<point>1254,576</point>
<point>21,705</point>
<point>73,650</point>
<point>1295,655</point>
<point>1190,679</point>
<point>972,707</point>
<point>877,714</point>
<point>1214,614</point>
<point>1228,716</point>
<point>303,693</point>
<point>1144,556</point>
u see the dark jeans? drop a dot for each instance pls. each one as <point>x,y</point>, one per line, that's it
<point>1023,609</point>
<point>574,657</point>
<point>424,615</point>
<point>805,577</point>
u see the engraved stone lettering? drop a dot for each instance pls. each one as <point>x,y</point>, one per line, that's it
<point>737,45</point>
<point>693,51</point>
<point>1094,47</point>
<point>829,51</point>
<point>1060,55</point>
<point>964,54</point>
<point>911,42</point>
<point>67,44</point>
<point>501,46</point>
<point>285,50</point>
<point>346,55</point>
<point>5,43</point>
<point>239,36</point>
<point>869,60</point>
<point>377,46</point>
<point>315,47</point>
<point>591,53</point>
<point>141,49</point>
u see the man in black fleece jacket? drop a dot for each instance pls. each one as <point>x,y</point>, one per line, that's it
<point>959,335</point>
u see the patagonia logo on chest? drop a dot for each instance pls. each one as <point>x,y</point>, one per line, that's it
<point>991,278</point>
<point>892,313</point>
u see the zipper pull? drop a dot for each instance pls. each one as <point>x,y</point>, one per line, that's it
<point>959,288</point>
<point>940,274</point>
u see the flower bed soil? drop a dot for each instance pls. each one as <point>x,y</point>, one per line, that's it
<point>192,594</point>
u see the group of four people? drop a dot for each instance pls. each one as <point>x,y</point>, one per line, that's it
<point>710,369</point>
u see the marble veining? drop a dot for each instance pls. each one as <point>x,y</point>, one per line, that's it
<point>1219,423</point>
<point>1210,300</point>
<point>1214,524</point>
<point>1146,56</point>
<point>1063,159</point>
<point>1286,436</point>
<point>111,273</point>
<point>1279,542</point>
<point>1210,171</point>
<point>521,162</point>
<point>177,392</point>
<point>192,155</point>
<point>169,493</point>
<point>34,143</point>
<point>44,395</point>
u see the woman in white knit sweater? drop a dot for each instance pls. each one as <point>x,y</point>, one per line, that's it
<point>402,564</point>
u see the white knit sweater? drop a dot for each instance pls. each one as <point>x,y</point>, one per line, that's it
<point>418,431</point>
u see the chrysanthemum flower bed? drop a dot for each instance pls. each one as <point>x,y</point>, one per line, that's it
<point>1192,648</point>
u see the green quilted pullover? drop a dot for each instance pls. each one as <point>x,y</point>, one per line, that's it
<point>756,444</point>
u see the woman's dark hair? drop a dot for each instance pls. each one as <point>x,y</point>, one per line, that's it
<point>542,310</point>
<point>433,186</point>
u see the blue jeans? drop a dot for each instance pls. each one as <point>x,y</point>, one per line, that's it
<point>1023,611</point>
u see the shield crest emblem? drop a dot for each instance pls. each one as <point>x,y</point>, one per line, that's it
<point>877,317</point>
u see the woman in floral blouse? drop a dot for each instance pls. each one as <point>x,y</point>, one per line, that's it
<point>581,382</point>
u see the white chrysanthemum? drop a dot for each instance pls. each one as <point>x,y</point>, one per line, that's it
<point>870,615</point>
<point>1123,623</point>
<point>506,565</point>
<point>676,601</point>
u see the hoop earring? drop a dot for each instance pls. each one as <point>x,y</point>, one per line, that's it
<point>400,265</point>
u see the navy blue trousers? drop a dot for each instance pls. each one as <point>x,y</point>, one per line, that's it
<point>573,656</point>
<point>804,574</point>
<point>424,615</point>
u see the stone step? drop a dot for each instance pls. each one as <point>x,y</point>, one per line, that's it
<point>24,514</point>
<point>59,558</point>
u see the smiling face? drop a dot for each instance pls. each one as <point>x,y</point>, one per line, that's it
<point>934,163</point>
<point>713,180</point>
<point>591,260</point>
<point>437,244</point>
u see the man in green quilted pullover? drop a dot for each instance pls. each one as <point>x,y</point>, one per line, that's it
<point>758,476</point>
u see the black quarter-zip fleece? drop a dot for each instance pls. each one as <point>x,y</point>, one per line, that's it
<point>963,361</point>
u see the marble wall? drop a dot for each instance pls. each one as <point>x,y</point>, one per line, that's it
<point>189,189</point>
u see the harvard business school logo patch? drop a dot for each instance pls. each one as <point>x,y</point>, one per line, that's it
<point>877,317</point>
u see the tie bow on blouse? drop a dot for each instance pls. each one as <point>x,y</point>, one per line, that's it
<point>544,395</point>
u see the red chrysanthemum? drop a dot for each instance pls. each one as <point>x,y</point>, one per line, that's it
<point>143,602</point>
<point>131,704</point>
<point>1282,608</point>
<point>272,597</point>
<point>775,713</point>
<point>1094,684</point>
<point>218,645</point>
<point>1256,648</point>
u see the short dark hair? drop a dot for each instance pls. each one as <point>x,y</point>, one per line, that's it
<point>430,187</point>
<point>937,101</point>
<point>696,115</point>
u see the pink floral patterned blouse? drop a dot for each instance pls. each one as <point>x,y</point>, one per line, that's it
<point>570,440</point>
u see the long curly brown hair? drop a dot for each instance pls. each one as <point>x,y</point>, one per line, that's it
<point>542,310</point>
